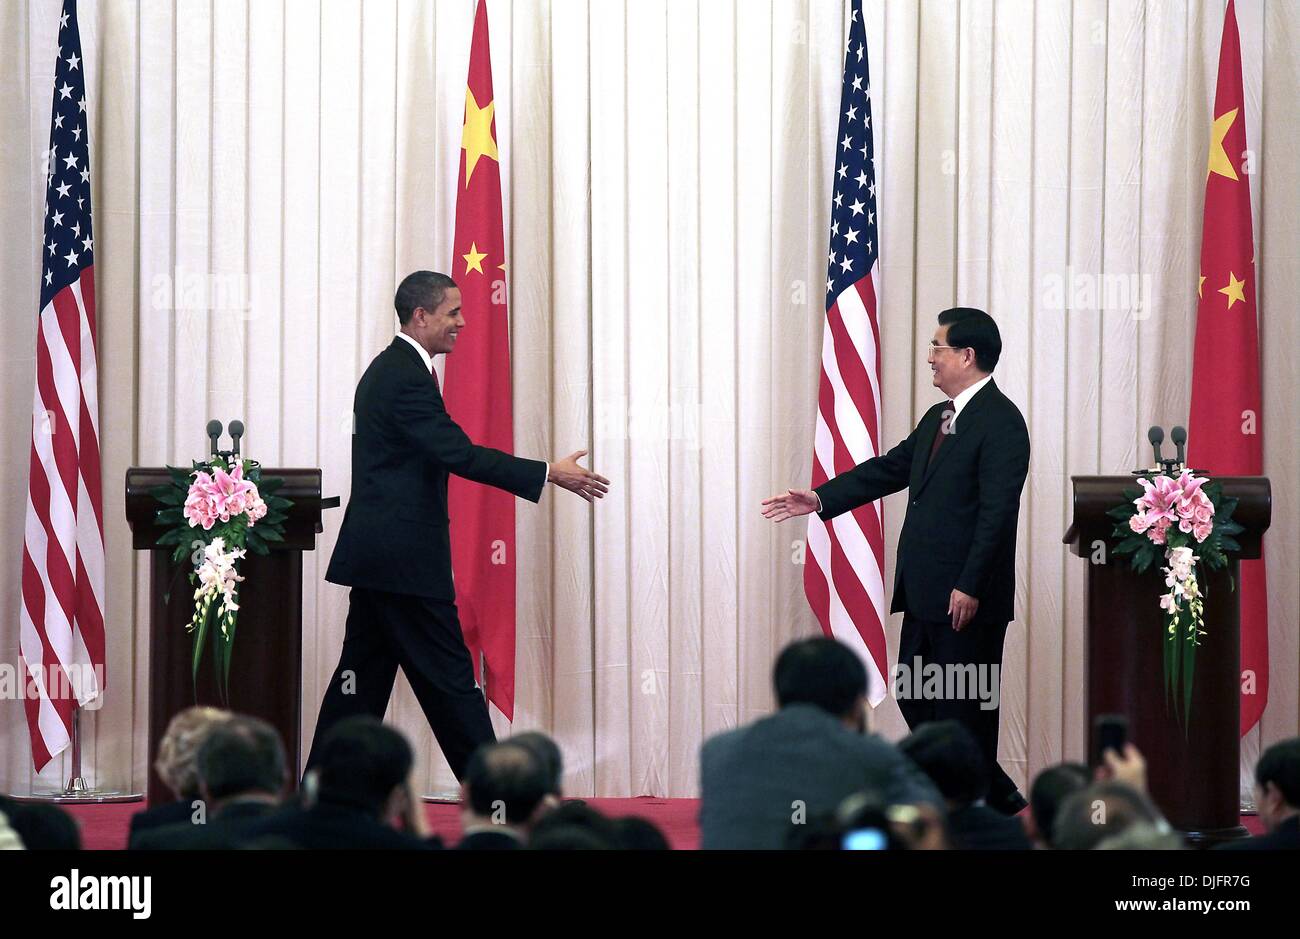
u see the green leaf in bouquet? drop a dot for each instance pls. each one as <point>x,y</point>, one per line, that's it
<point>168,494</point>
<point>175,536</point>
<point>172,516</point>
<point>270,534</point>
<point>272,518</point>
<point>270,484</point>
<point>181,476</point>
<point>200,637</point>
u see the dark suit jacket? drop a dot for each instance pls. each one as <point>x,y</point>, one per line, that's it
<point>226,830</point>
<point>960,528</point>
<point>327,827</point>
<point>395,535</point>
<point>156,816</point>
<point>751,777</point>
<point>980,828</point>
<point>489,841</point>
<point>1286,837</point>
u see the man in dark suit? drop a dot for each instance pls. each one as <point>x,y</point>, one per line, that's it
<point>505,792</point>
<point>242,772</point>
<point>759,782</point>
<point>964,467</point>
<point>1277,799</point>
<point>394,548</point>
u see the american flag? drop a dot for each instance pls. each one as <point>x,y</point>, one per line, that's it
<point>62,620</point>
<point>844,581</point>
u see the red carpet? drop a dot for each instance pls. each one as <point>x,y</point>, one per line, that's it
<point>105,826</point>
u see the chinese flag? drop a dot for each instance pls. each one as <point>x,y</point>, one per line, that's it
<point>477,389</point>
<point>1225,434</point>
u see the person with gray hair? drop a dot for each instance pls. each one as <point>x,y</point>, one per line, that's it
<point>1103,811</point>
<point>176,767</point>
<point>242,771</point>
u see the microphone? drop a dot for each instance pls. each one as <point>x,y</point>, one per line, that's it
<point>1179,436</point>
<point>214,434</point>
<point>1157,436</point>
<point>236,431</point>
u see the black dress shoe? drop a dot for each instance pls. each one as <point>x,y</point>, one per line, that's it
<point>1010,803</point>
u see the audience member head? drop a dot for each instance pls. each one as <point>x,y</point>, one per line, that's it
<point>825,673</point>
<point>639,834</point>
<point>548,751</point>
<point>45,828</point>
<point>574,826</point>
<point>947,753</point>
<point>505,784</point>
<point>363,764</point>
<point>1101,811</point>
<point>175,763</point>
<point>1277,783</point>
<point>242,758</point>
<point>1049,790</point>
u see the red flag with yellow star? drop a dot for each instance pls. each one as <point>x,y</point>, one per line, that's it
<point>1225,435</point>
<point>478,390</point>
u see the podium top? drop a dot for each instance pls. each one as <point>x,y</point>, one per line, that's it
<point>301,485</point>
<point>1094,496</point>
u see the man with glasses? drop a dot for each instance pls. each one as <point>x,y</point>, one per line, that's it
<point>964,467</point>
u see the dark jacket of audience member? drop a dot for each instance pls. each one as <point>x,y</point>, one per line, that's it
<point>242,772</point>
<point>948,753</point>
<point>803,761</point>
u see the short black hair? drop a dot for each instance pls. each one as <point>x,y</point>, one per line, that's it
<point>947,752</point>
<point>241,755</point>
<point>969,328</point>
<point>506,775</point>
<point>548,751</point>
<point>1052,787</point>
<point>640,834</point>
<point>1091,815</point>
<point>361,762</point>
<point>43,827</point>
<point>819,671</point>
<point>574,825</point>
<point>1280,765</point>
<point>420,289</point>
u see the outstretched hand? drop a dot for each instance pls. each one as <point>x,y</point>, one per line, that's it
<point>791,503</point>
<point>567,474</point>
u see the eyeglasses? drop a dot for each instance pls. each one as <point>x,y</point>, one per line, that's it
<point>934,347</point>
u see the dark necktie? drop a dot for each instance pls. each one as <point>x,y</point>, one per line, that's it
<point>945,429</point>
<point>434,372</point>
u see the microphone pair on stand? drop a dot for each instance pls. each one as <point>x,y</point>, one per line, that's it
<point>1156,435</point>
<point>214,435</point>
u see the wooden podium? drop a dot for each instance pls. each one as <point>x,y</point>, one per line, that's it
<point>266,665</point>
<point>1194,769</point>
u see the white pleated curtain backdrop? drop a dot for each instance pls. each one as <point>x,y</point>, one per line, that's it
<point>266,171</point>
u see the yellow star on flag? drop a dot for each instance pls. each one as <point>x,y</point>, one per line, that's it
<point>473,260</point>
<point>476,136</point>
<point>1219,162</point>
<point>1234,291</point>
<point>1200,287</point>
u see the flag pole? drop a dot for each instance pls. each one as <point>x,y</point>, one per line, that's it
<point>77,791</point>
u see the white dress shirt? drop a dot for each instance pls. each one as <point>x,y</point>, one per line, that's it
<point>428,363</point>
<point>963,399</point>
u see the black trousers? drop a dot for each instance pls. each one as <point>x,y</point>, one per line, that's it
<point>922,644</point>
<point>423,637</point>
